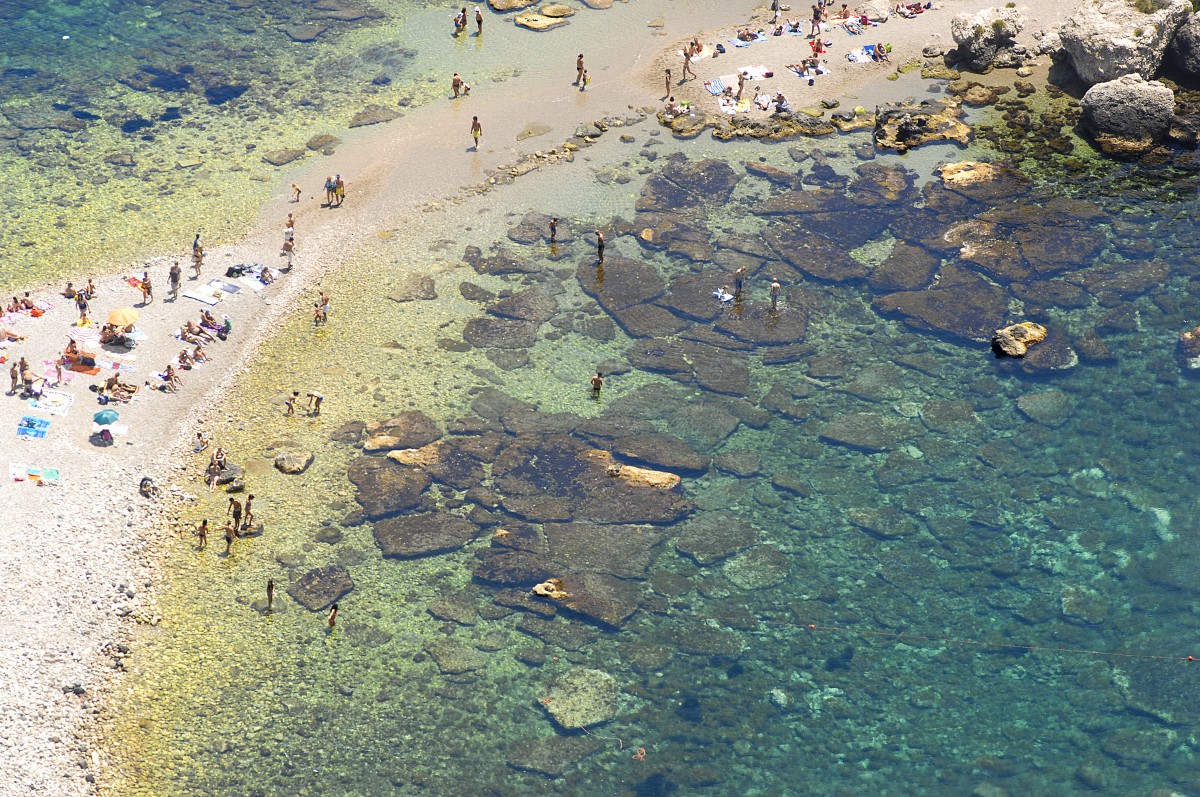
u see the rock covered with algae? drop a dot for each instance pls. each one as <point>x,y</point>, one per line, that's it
<point>580,697</point>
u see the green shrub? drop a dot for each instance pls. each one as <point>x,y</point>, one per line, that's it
<point>1137,32</point>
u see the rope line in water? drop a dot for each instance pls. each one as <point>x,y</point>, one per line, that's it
<point>977,643</point>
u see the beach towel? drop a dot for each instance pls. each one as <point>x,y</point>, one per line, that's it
<point>716,87</point>
<point>740,43</point>
<point>44,306</point>
<point>136,334</point>
<point>253,283</point>
<point>724,296</point>
<point>134,282</point>
<point>202,297</point>
<point>222,285</point>
<point>16,471</point>
<point>726,105</point>
<point>42,475</point>
<point>33,428</point>
<point>80,368</point>
<point>860,56</point>
<point>759,72</point>
<point>55,402</point>
<point>821,70</point>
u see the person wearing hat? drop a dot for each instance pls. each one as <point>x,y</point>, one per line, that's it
<point>479,20</point>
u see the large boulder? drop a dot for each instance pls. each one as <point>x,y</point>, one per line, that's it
<point>1112,38</point>
<point>1184,51</point>
<point>580,697</point>
<point>981,37</point>
<point>1128,115</point>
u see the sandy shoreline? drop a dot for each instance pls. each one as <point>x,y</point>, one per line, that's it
<point>82,559</point>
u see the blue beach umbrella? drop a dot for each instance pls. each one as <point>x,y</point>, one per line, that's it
<point>106,417</point>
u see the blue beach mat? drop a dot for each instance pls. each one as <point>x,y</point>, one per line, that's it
<point>32,427</point>
<point>716,86</point>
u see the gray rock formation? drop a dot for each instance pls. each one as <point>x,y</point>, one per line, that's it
<point>1184,51</point>
<point>874,10</point>
<point>987,36</point>
<point>1128,115</point>
<point>1112,38</point>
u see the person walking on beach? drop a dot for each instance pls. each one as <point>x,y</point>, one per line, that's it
<point>290,405</point>
<point>579,70</point>
<point>476,131</point>
<point>775,287</point>
<point>202,533</point>
<point>816,22</point>
<point>687,65</point>
<point>173,278</point>
<point>288,250</point>
<point>330,191</point>
<point>197,257</point>
<point>295,193</point>
<point>339,189</point>
<point>554,230</point>
<point>81,302</point>
<point>667,84</point>
<point>15,374</point>
<point>599,247</point>
<point>249,521</point>
<point>597,383</point>
<point>147,288</point>
<point>290,224</point>
<point>478,21</point>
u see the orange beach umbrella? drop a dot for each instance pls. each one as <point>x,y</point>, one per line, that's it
<point>123,316</point>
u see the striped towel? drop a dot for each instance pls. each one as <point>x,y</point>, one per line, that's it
<point>716,86</point>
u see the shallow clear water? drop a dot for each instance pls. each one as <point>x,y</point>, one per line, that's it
<point>983,599</point>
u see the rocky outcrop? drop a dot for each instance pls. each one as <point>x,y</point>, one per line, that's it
<point>902,127</point>
<point>987,37</point>
<point>1129,115</point>
<point>1015,340</point>
<point>539,21</point>
<point>1109,39</point>
<point>293,461</point>
<point>320,588</point>
<point>1184,51</point>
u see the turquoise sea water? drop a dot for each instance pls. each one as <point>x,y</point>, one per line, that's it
<point>908,568</point>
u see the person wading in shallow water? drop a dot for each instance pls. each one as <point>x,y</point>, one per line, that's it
<point>476,131</point>
<point>599,247</point>
<point>270,593</point>
<point>597,384</point>
<point>333,613</point>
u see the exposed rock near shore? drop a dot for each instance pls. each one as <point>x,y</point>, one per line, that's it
<point>1129,115</point>
<point>1106,40</point>
<point>988,38</point>
<point>903,127</point>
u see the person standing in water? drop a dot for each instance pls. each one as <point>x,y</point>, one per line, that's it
<point>229,537</point>
<point>333,613</point>
<point>554,230</point>
<point>579,70</point>
<point>270,593</point>
<point>479,21</point>
<point>775,287</point>
<point>249,512</point>
<point>597,384</point>
<point>202,533</point>
<point>476,131</point>
<point>599,247</point>
<point>295,193</point>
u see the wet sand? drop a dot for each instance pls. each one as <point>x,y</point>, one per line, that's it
<point>79,558</point>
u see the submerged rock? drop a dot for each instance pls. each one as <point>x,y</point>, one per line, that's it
<point>373,115</point>
<point>758,568</point>
<point>454,658</point>
<point>423,535</point>
<point>1188,349</point>
<point>553,755</point>
<point>715,536</point>
<point>385,487</point>
<point>1048,407</point>
<point>962,304</point>
<point>318,589</point>
<point>580,697</point>
<point>293,461</point>
<point>867,431</point>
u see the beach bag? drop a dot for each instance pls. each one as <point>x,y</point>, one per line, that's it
<point>36,312</point>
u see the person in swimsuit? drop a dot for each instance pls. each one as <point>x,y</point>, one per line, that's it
<point>249,521</point>
<point>578,70</point>
<point>202,533</point>
<point>173,278</point>
<point>597,384</point>
<point>476,131</point>
<point>235,509</point>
